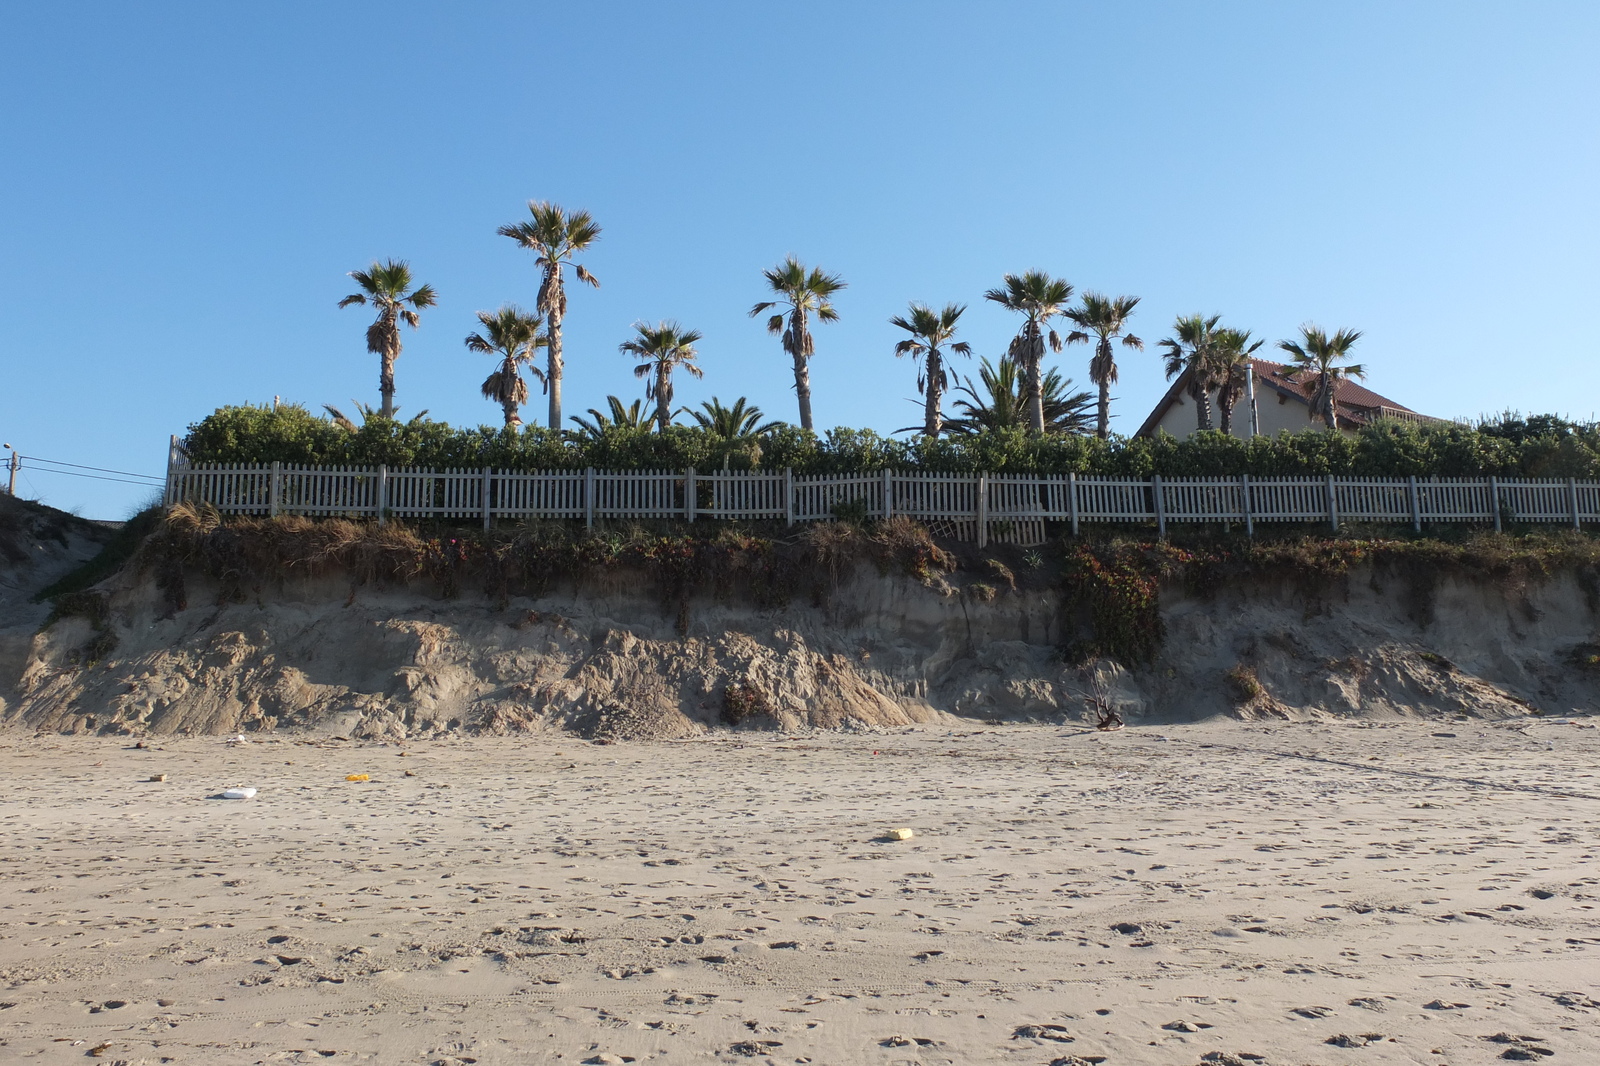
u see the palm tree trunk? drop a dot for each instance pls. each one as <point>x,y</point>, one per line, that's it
<point>391,352</point>
<point>553,328</point>
<point>386,383</point>
<point>1103,417</point>
<point>1031,378</point>
<point>802,370</point>
<point>1202,408</point>
<point>930,418</point>
<point>512,418</point>
<point>1226,403</point>
<point>1328,414</point>
<point>663,396</point>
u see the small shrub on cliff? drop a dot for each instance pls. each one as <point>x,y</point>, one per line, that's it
<point>1243,684</point>
<point>742,701</point>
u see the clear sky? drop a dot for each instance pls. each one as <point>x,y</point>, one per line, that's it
<point>184,186</point>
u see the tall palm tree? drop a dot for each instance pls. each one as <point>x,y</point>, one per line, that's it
<point>1105,318</point>
<point>1007,404</point>
<point>737,423</point>
<point>555,237</point>
<point>630,417</point>
<point>1192,348</point>
<point>513,335</point>
<point>1038,298</point>
<point>930,331</point>
<point>387,286</point>
<point>804,292</point>
<point>1231,370</point>
<point>1316,357</point>
<point>664,347</point>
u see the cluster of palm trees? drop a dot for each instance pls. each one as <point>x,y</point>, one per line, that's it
<point>1020,391</point>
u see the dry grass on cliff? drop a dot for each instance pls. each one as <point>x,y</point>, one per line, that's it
<point>243,554</point>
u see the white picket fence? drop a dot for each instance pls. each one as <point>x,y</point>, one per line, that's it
<point>981,507</point>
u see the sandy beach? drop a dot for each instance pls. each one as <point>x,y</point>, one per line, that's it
<point>1225,892</point>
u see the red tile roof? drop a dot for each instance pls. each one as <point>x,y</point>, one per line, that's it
<point>1348,394</point>
<point>1357,404</point>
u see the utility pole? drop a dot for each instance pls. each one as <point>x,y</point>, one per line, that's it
<point>1250,392</point>
<point>14,464</point>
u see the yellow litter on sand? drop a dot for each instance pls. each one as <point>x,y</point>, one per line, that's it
<point>901,834</point>
<point>357,777</point>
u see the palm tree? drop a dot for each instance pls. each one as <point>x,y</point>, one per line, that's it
<point>804,293</point>
<point>1192,349</point>
<point>930,330</point>
<point>1231,369</point>
<point>736,423</point>
<point>629,417</point>
<point>1039,298</point>
<point>367,413</point>
<point>1105,318</point>
<point>1007,403</point>
<point>388,287</point>
<point>1317,354</point>
<point>514,336</point>
<point>556,237</point>
<point>664,348</point>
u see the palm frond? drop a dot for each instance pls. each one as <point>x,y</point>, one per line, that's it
<point>1003,404</point>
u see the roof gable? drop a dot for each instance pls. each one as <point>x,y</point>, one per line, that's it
<point>1355,403</point>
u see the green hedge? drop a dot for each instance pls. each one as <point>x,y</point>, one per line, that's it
<point>1543,446</point>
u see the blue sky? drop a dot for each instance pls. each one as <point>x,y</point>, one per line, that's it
<point>185,187</point>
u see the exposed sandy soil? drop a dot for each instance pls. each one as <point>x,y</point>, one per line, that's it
<point>606,659</point>
<point>38,545</point>
<point>1281,893</point>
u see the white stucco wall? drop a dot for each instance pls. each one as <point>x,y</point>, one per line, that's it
<point>1274,415</point>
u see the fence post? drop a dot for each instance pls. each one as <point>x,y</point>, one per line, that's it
<point>788,495</point>
<point>1572,497</point>
<point>983,510</point>
<point>1161,508</point>
<point>166,494</point>
<point>275,489</point>
<point>383,494</point>
<point>1494,501</point>
<point>689,500</point>
<point>888,493</point>
<point>1244,492</point>
<point>1072,500</point>
<point>588,498</point>
<point>486,512</point>
<point>1416,504</point>
<point>1333,504</point>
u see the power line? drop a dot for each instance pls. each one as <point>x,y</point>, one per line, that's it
<point>153,483</point>
<point>80,466</point>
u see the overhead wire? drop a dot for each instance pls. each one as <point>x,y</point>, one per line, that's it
<point>80,466</point>
<point>154,483</point>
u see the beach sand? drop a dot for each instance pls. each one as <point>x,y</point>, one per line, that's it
<point>1358,893</point>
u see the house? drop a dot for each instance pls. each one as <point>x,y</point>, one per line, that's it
<point>1281,403</point>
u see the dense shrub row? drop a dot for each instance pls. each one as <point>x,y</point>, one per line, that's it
<point>1510,447</point>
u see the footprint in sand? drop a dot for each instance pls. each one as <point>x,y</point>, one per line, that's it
<point>1520,1048</point>
<point>1311,1012</point>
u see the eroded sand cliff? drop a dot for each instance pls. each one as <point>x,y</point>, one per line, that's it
<point>605,659</point>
